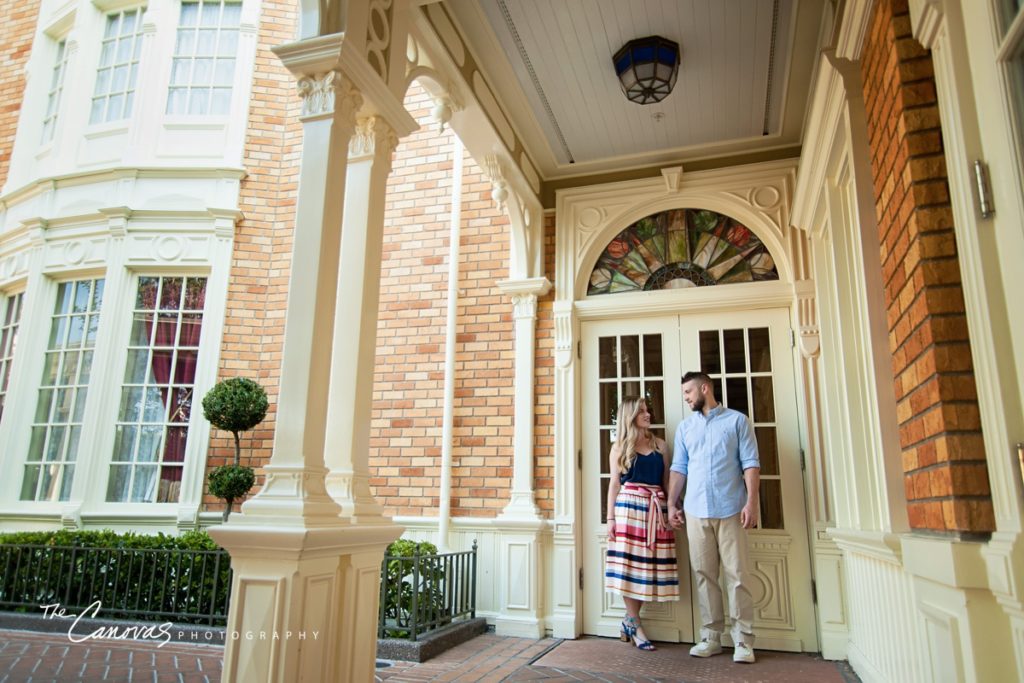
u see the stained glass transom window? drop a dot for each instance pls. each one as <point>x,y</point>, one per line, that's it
<point>681,248</point>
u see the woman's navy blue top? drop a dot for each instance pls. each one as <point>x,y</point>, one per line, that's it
<point>646,469</point>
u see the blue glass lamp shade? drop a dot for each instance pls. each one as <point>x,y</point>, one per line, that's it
<point>647,68</point>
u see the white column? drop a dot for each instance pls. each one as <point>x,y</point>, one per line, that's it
<point>524,295</point>
<point>520,524</point>
<point>299,567</point>
<point>448,417</point>
<point>358,295</point>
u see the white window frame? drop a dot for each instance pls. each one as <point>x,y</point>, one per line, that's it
<point>79,397</point>
<point>9,339</point>
<point>187,56</point>
<point>149,383</point>
<point>51,114</point>
<point>130,61</point>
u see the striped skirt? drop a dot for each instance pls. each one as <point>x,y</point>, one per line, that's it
<point>641,561</point>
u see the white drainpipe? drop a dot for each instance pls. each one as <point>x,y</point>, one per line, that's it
<point>449,347</point>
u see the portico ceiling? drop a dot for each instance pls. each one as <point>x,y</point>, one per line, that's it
<point>745,73</point>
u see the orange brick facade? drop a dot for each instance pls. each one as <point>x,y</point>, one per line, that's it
<point>409,380</point>
<point>946,479</point>
<point>261,262</point>
<point>16,33</point>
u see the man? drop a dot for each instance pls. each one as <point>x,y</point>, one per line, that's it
<point>716,455</point>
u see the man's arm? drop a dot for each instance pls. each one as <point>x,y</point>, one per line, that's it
<point>677,477</point>
<point>751,464</point>
<point>748,515</point>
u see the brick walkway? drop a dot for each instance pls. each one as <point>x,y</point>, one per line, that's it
<point>40,657</point>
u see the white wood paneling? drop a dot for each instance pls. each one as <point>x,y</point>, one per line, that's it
<point>720,95</point>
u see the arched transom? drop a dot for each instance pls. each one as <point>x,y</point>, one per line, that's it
<point>681,248</point>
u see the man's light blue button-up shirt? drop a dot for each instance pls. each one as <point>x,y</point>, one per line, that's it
<point>712,453</point>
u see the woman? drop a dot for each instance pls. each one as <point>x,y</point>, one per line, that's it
<point>641,560</point>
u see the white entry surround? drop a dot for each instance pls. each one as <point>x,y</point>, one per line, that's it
<point>757,195</point>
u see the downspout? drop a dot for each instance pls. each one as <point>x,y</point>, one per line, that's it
<point>447,438</point>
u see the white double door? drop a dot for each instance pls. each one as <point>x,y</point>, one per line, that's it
<point>749,357</point>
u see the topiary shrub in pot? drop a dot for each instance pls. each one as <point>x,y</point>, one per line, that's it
<point>234,405</point>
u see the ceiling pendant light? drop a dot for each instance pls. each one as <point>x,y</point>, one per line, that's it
<point>647,68</point>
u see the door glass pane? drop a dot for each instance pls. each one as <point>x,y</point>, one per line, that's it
<point>654,392</point>
<point>735,353</point>
<point>736,394</point>
<point>771,504</point>
<point>628,365</point>
<point>609,403</point>
<point>630,348</point>
<point>607,357</point>
<point>652,355</point>
<point>710,356</point>
<point>760,350</point>
<point>767,450</point>
<point>764,399</point>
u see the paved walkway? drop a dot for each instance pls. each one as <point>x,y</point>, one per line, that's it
<point>41,657</point>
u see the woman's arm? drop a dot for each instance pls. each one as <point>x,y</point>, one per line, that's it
<point>613,490</point>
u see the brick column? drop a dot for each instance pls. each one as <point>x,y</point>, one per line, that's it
<point>946,478</point>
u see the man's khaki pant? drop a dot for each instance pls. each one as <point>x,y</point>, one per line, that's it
<point>713,541</point>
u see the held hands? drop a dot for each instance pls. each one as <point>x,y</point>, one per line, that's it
<point>748,515</point>
<point>675,517</point>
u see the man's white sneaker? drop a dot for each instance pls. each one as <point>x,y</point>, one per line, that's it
<point>706,648</point>
<point>741,653</point>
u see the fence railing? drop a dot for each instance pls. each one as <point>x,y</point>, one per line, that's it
<point>422,593</point>
<point>184,586</point>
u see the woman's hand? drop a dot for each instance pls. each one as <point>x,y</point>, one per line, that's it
<point>611,530</point>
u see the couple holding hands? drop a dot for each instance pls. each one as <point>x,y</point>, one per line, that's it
<point>715,459</point>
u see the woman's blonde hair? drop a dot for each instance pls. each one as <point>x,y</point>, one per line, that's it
<point>627,433</point>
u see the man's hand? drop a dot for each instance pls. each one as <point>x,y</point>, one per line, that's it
<point>748,515</point>
<point>675,517</point>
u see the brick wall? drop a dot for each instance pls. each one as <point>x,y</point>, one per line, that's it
<point>946,479</point>
<point>16,32</point>
<point>258,287</point>
<point>409,381</point>
<point>544,383</point>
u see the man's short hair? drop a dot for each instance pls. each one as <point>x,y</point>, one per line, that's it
<point>699,376</point>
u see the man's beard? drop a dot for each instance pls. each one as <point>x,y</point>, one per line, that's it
<point>698,405</point>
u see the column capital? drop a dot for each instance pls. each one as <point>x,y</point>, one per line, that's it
<point>535,286</point>
<point>372,135</point>
<point>328,92</point>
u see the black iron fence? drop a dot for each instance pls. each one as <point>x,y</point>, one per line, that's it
<point>422,593</point>
<point>179,585</point>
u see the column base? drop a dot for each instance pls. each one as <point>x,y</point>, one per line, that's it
<point>304,601</point>
<point>519,610</point>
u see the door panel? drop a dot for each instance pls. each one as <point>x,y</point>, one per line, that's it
<point>750,361</point>
<point>637,358</point>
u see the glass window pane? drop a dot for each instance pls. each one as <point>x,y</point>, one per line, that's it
<point>154,405</point>
<point>170,485</point>
<point>606,439</point>
<point>137,368</point>
<point>195,293</point>
<point>180,71</point>
<point>30,483</point>
<point>142,329</point>
<point>150,443</point>
<point>117,485</point>
<point>50,365</point>
<point>760,350</point>
<point>199,101</point>
<point>210,14</point>
<point>764,399</point>
<point>630,389</point>
<point>652,355</point>
<point>629,347</point>
<point>203,72</point>
<point>181,404</point>
<point>736,394</point>
<point>607,357</point>
<point>735,351</point>
<point>227,46</point>
<point>43,405</point>
<point>174,451</point>
<point>609,392</point>
<point>35,447</point>
<point>185,367</point>
<point>69,371</point>
<point>131,404</point>
<point>124,442</point>
<point>654,392</point>
<point>232,14</point>
<point>189,13</point>
<point>767,450</point>
<point>207,43</point>
<point>145,297</point>
<point>220,103</point>
<point>771,504</point>
<point>177,101</point>
<point>710,358</point>
<point>144,486</point>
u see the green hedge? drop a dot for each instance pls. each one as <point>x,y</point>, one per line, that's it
<point>183,578</point>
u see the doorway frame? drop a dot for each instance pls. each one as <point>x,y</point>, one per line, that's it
<point>587,218</point>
